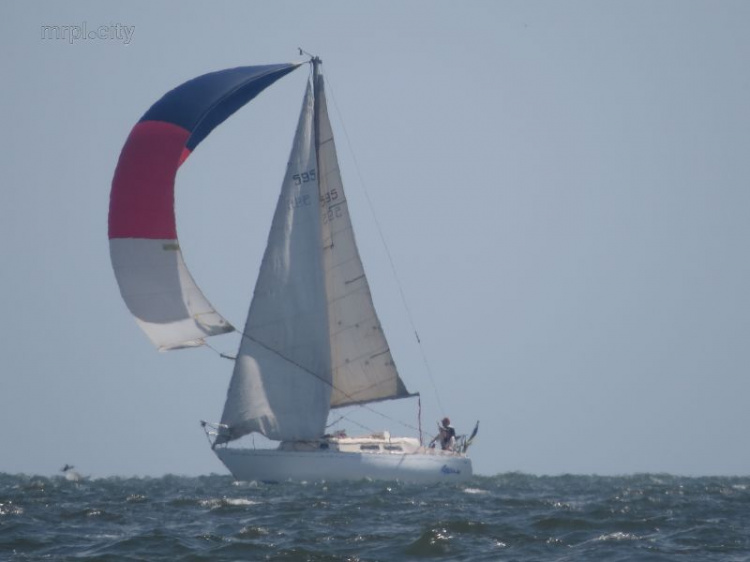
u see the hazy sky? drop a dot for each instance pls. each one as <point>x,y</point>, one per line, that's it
<point>563,187</point>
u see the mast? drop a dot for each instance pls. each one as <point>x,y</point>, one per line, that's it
<point>317,87</point>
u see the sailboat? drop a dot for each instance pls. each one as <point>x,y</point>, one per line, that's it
<point>312,341</point>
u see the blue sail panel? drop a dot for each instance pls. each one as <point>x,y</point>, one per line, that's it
<point>203,103</point>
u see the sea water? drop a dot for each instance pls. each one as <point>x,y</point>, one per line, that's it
<point>506,517</point>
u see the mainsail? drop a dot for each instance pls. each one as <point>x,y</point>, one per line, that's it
<point>363,369</point>
<point>312,340</point>
<point>154,281</point>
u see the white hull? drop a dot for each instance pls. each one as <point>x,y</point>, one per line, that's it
<point>269,465</point>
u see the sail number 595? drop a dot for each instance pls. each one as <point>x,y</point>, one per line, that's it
<point>304,177</point>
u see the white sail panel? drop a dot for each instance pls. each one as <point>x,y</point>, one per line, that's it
<point>281,384</point>
<point>363,369</point>
<point>161,293</point>
<point>273,396</point>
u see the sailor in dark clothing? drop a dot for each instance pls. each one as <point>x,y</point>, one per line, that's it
<point>446,435</point>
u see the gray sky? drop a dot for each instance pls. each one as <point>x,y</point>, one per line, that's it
<point>563,187</point>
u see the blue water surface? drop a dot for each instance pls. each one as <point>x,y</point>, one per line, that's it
<point>514,517</point>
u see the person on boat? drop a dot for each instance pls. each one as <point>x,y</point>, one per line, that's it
<point>446,435</point>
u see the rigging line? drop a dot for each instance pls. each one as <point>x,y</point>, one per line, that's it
<point>387,249</point>
<point>329,383</point>
<point>335,421</point>
<point>361,426</point>
<point>219,353</point>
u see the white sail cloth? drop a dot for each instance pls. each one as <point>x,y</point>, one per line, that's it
<point>363,369</point>
<point>312,340</point>
<point>161,293</point>
<point>275,389</point>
